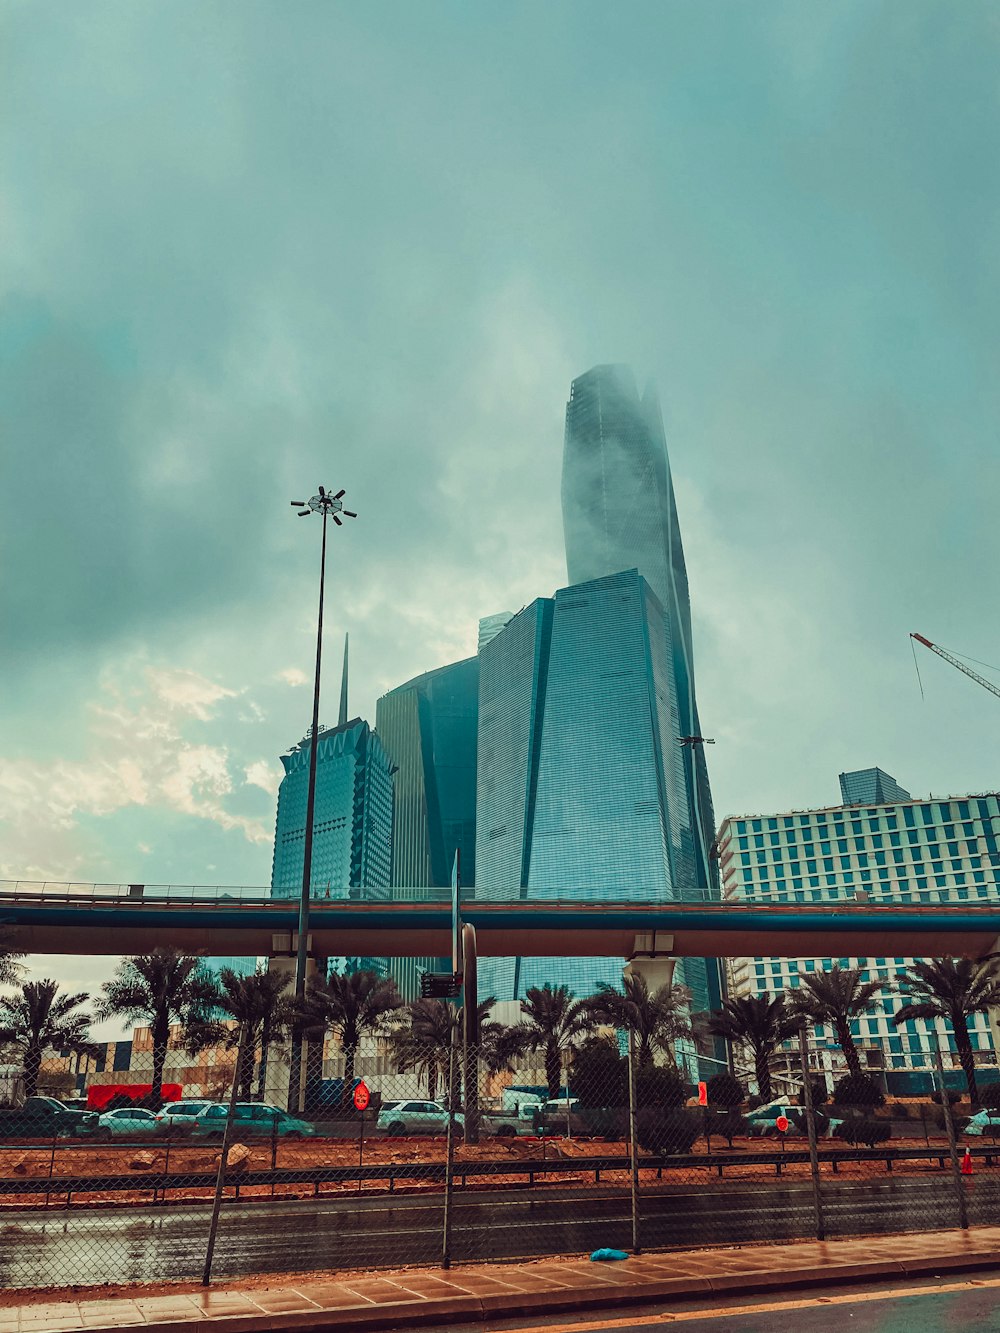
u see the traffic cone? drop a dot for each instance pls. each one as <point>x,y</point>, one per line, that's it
<point>967,1163</point>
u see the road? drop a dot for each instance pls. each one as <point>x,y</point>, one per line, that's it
<point>142,1244</point>
<point>928,1308</point>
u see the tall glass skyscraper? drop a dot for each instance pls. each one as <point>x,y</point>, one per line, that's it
<point>581,774</point>
<point>352,847</point>
<point>870,786</point>
<point>619,512</point>
<point>428,727</point>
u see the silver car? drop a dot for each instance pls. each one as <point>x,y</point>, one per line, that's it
<point>127,1122</point>
<point>415,1118</point>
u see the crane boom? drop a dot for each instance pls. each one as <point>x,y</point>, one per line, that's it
<point>988,684</point>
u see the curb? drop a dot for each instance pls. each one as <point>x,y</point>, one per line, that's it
<point>603,1294</point>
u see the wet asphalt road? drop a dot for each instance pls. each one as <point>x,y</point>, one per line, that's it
<point>142,1244</point>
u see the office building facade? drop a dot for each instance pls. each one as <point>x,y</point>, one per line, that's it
<point>870,786</point>
<point>906,852</point>
<point>352,825</point>
<point>581,777</point>
<point>429,730</point>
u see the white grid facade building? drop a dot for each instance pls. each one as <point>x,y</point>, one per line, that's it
<point>915,851</point>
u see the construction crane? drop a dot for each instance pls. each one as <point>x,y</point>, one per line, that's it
<point>988,684</point>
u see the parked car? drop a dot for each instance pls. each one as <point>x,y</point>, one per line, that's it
<point>178,1116</point>
<point>762,1122</point>
<point>507,1124</point>
<point>561,1115</point>
<point>415,1118</point>
<point>250,1120</point>
<point>46,1118</point>
<point>983,1122</point>
<point>129,1121</point>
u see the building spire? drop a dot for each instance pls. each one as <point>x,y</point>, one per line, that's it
<point>343,688</point>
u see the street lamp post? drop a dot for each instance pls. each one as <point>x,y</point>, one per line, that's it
<point>327,506</point>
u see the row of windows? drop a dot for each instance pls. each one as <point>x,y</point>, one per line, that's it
<point>887,816</point>
<point>914,837</point>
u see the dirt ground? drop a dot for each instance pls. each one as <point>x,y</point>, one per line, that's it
<point>179,1159</point>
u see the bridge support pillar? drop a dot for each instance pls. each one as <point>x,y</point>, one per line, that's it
<point>652,958</point>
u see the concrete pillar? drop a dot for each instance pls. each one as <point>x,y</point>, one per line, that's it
<point>652,958</point>
<point>278,1076</point>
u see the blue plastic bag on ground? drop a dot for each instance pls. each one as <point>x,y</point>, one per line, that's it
<point>605,1254</point>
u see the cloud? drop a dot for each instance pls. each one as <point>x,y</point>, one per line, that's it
<point>293,676</point>
<point>264,775</point>
<point>138,755</point>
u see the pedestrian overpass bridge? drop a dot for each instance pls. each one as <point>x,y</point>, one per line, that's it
<point>127,919</point>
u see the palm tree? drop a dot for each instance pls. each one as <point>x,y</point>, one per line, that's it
<point>425,1043</point>
<point>254,1009</point>
<point>501,1045</point>
<point>350,1005</point>
<point>10,962</point>
<point>158,988</point>
<point>953,989</point>
<point>836,997</point>
<point>760,1023</point>
<point>657,1018</point>
<point>555,1018</point>
<point>39,1019</point>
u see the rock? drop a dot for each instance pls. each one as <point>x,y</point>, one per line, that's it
<point>19,1166</point>
<point>142,1161</point>
<point>237,1157</point>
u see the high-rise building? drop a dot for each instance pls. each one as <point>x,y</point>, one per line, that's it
<point>619,512</point>
<point>581,775</point>
<point>428,727</point>
<point>870,786</point>
<point>352,820</point>
<point>899,851</point>
<point>490,627</point>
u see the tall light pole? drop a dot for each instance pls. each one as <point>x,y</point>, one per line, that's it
<point>327,506</point>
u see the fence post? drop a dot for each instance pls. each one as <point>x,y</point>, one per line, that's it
<point>949,1124</point>
<point>449,1164</point>
<point>807,1097</point>
<point>220,1179</point>
<point>633,1148</point>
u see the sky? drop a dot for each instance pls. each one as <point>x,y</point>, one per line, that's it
<point>250,248</point>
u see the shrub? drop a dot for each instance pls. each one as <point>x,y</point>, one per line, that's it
<point>658,1085</point>
<point>864,1129</point>
<point>989,1097</point>
<point>599,1076</point>
<point>670,1131</point>
<point>820,1094</point>
<point>727,1124</point>
<point>725,1091</point>
<point>858,1090</point>
<point>951,1093</point>
<point>900,1110</point>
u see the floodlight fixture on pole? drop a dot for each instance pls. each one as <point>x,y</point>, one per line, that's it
<point>327,505</point>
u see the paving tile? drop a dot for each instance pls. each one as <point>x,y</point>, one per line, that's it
<point>110,1318</point>
<point>282,1302</point>
<point>332,1297</point>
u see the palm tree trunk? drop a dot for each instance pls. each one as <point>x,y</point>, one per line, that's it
<point>966,1059</point>
<point>265,1042</point>
<point>32,1064</point>
<point>347,1091</point>
<point>762,1067</point>
<point>553,1069</point>
<point>161,1036</point>
<point>249,1050</point>
<point>432,1080</point>
<point>846,1043</point>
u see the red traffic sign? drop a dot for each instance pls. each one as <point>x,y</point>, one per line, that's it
<point>781,1124</point>
<point>702,1094</point>
<point>361,1095</point>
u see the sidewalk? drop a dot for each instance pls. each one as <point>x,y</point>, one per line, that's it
<point>496,1291</point>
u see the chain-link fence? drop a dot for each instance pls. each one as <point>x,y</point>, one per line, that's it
<point>556,1152</point>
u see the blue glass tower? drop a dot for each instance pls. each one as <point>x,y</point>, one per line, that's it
<point>428,727</point>
<point>581,774</point>
<point>871,786</point>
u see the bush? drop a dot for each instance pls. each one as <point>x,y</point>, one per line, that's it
<point>820,1094</point>
<point>725,1091</point>
<point>599,1076</point>
<point>864,1129</point>
<point>899,1110</point>
<point>661,1132</point>
<point>658,1085</point>
<point>951,1093</point>
<point>727,1124</point>
<point>989,1097</point>
<point>858,1090</point>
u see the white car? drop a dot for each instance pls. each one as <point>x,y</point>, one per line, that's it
<point>127,1121</point>
<point>763,1121</point>
<point>984,1122</point>
<point>180,1115</point>
<point>415,1117</point>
